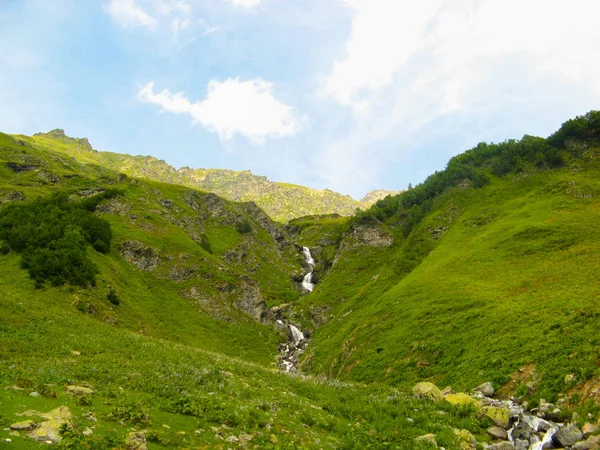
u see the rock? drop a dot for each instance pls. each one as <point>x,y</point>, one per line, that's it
<point>425,389</point>
<point>49,430</point>
<point>245,437</point>
<point>75,353</point>
<point>273,439</point>
<point>485,389</point>
<point>427,438</point>
<point>499,415</point>
<point>87,432</point>
<point>232,438</point>
<point>13,196</point>
<point>568,436</point>
<point>466,441</point>
<point>569,378</point>
<point>592,443</point>
<point>448,390</point>
<point>521,444</point>
<point>181,273</point>
<point>34,394</point>
<point>502,446</point>
<point>136,441</point>
<point>498,433</point>
<point>19,167</point>
<point>589,428</point>
<point>79,390</point>
<point>23,426</point>
<point>48,177</point>
<point>141,256</point>
<point>462,400</point>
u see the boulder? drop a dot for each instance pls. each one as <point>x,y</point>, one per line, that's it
<point>498,433</point>
<point>425,389</point>
<point>430,438</point>
<point>79,390</point>
<point>462,400</point>
<point>499,415</point>
<point>23,426</point>
<point>589,428</point>
<point>591,443</point>
<point>466,441</point>
<point>568,436</point>
<point>136,441</point>
<point>502,446</point>
<point>485,389</point>
<point>49,430</point>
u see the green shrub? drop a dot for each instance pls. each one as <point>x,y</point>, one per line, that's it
<point>113,297</point>
<point>243,227</point>
<point>52,234</point>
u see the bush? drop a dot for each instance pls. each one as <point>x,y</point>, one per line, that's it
<point>52,234</point>
<point>113,297</point>
<point>243,227</point>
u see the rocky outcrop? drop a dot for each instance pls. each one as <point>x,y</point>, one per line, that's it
<point>50,429</point>
<point>371,234</point>
<point>251,301</point>
<point>143,257</point>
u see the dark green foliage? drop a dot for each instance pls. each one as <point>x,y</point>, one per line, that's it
<point>243,227</point>
<point>52,234</point>
<point>581,128</point>
<point>113,297</point>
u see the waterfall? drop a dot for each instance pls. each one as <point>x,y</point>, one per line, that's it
<point>307,281</point>
<point>297,335</point>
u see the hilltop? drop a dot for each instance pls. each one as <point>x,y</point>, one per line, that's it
<point>281,201</point>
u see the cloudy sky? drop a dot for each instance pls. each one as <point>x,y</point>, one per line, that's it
<point>352,95</point>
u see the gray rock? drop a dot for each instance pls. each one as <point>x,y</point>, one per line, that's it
<point>568,436</point>
<point>486,389</point>
<point>502,446</point>
<point>23,426</point>
<point>498,433</point>
<point>141,256</point>
<point>591,443</point>
<point>521,444</point>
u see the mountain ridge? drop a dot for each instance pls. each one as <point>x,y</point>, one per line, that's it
<point>282,201</point>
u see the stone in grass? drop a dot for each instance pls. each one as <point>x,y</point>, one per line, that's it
<point>49,430</point>
<point>35,394</point>
<point>136,441</point>
<point>567,436</point>
<point>498,433</point>
<point>462,400</point>
<point>499,415</point>
<point>466,441</point>
<point>589,428</point>
<point>79,390</point>
<point>485,389</point>
<point>23,426</point>
<point>425,389</point>
<point>428,438</point>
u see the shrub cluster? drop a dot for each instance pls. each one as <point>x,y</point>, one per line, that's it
<point>52,234</point>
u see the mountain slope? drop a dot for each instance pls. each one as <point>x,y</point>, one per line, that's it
<point>472,275</point>
<point>281,201</point>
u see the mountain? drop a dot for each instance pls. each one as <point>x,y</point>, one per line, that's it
<point>281,201</point>
<point>151,314</point>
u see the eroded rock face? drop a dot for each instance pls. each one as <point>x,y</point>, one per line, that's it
<point>251,301</point>
<point>13,196</point>
<point>141,256</point>
<point>372,234</point>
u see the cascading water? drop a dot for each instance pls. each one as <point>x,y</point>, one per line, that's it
<point>291,350</point>
<point>307,281</point>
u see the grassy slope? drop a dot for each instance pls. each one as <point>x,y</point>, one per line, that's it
<point>160,355</point>
<point>513,280</point>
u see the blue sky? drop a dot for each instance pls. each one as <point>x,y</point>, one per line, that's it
<point>352,95</point>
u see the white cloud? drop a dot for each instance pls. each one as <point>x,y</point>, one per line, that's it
<point>232,107</point>
<point>127,14</point>
<point>458,38</point>
<point>245,3</point>
<point>406,64</point>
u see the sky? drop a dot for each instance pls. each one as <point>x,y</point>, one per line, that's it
<point>350,95</point>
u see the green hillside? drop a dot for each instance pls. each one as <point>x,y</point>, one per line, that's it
<point>155,312</point>
<point>489,266</point>
<point>281,201</point>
